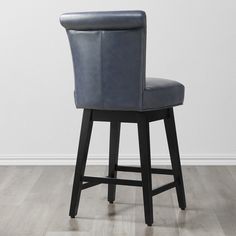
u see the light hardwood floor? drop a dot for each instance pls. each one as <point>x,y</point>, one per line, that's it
<point>34,201</point>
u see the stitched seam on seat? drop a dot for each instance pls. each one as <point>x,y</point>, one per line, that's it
<point>163,107</point>
<point>158,88</point>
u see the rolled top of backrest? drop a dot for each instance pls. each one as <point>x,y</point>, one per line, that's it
<point>107,20</point>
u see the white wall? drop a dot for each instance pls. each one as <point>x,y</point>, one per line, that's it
<point>191,41</point>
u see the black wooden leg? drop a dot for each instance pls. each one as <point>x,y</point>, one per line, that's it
<point>175,159</point>
<point>113,157</point>
<point>145,159</point>
<point>85,134</point>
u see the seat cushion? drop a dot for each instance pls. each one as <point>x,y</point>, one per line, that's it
<point>162,93</point>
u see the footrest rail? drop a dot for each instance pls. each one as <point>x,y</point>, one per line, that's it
<point>163,188</point>
<point>108,180</point>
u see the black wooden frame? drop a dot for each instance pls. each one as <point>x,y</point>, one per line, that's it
<point>115,118</point>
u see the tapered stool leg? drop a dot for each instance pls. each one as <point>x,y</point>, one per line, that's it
<point>175,159</point>
<point>145,159</point>
<point>113,157</point>
<point>85,134</point>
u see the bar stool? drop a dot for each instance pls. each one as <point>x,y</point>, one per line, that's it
<point>108,52</point>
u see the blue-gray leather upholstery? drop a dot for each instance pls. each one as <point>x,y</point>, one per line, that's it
<point>108,51</point>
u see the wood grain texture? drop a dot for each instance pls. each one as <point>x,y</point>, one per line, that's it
<point>34,201</point>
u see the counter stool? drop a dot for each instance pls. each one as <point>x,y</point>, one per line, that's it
<point>108,51</point>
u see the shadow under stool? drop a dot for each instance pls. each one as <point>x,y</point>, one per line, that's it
<point>109,59</point>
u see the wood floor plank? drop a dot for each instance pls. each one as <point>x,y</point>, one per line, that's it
<point>34,201</point>
<point>221,192</point>
<point>17,183</point>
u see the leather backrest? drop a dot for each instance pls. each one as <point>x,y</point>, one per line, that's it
<point>108,51</point>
